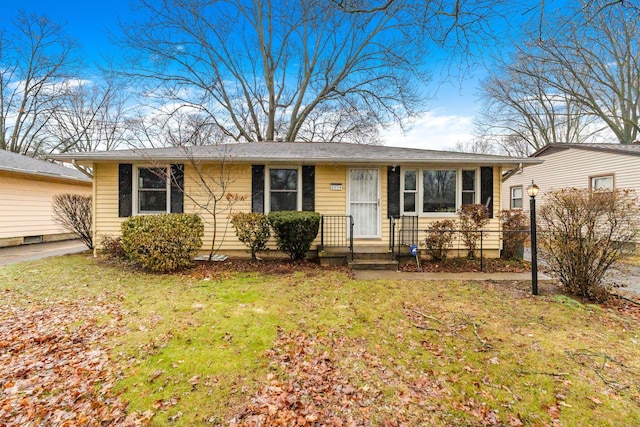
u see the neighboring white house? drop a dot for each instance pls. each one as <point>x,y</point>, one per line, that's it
<point>574,166</point>
<point>27,187</point>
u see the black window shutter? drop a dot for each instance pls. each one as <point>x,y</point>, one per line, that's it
<point>308,188</point>
<point>257,188</point>
<point>125,189</point>
<point>486,188</point>
<point>393,191</point>
<point>177,188</point>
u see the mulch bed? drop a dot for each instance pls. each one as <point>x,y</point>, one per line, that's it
<point>464,265</point>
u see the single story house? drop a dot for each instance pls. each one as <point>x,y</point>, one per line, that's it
<point>573,166</point>
<point>28,187</point>
<point>366,193</point>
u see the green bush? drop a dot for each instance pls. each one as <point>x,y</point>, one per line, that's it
<point>252,229</point>
<point>439,239</point>
<point>162,242</point>
<point>295,231</point>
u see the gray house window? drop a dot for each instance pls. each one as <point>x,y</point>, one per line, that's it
<point>516,197</point>
<point>604,182</point>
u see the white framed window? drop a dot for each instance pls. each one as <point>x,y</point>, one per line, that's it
<point>410,192</point>
<point>433,191</point>
<point>283,189</point>
<point>602,182</point>
<point>152,190</point>
<point>469,183</point>
<point>516,197</point>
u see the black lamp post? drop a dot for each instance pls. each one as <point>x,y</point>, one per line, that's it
<point>532,191</point>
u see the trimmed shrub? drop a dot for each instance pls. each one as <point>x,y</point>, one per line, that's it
<point>164,242</point>
<point>111,248</point>
<point>471,219</point>
<point>515,227</point>
<point>74,213</point>
<point>584,233</point>
<point>252,229</point>
<point>439,239</point>
<point>294,231</point>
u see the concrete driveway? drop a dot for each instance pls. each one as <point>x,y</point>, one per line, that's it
<point>16,254</point>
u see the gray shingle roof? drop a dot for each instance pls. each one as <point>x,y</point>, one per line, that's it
<point>19,163</point>
<point>628,149</point>
<point>310,152</point>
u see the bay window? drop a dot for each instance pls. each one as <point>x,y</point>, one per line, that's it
<point>433,191</point>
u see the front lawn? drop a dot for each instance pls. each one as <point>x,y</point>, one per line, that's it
<point>302,346</point>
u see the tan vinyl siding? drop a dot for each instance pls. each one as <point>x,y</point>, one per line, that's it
<point>572,168</point>
<point>27,205</point>
<point>236,179</point>
<point>107,223</point>
<point>327,201</point>
<point>330,202</point>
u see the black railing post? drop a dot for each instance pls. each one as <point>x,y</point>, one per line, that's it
<point>392,237</point>
<point>481,257</point>
<point>322,232</point>
<point>351,236</point>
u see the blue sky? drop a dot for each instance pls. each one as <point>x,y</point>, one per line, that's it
<point>450,118</point>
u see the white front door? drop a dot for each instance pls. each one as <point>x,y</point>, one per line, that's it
<point>364,202</point>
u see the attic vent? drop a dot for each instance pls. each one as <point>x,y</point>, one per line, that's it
<point>28,240</point>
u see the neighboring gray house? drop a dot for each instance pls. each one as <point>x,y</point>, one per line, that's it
<point>573,166</point>
<point>27,187</point>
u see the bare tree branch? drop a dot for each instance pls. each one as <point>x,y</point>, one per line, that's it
<point>35,55</point>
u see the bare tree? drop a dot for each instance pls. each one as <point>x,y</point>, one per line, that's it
<point>262,71</point>
<point>579,77</point>
<point>476,145</point>
<point>35,55</point>
<point>92,116</point>
<point>74,213</point>
<point>521,113</point>
<point>206,185</point>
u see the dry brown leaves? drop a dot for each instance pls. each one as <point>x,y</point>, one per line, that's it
<point>55,369</point>
<point>315,389</point>
<point>321,386</point>
<point>266,266</point>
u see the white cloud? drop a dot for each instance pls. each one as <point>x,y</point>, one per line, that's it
<point>433,130</point>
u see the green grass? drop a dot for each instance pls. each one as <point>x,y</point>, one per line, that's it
<point>202,341</point>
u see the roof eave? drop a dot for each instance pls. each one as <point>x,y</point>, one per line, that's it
<point>88,159</point>
<point>47,175</point>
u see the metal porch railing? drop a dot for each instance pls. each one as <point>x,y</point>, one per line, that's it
<point>336,231</point>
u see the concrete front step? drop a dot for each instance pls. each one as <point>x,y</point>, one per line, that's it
<point>373,264</point>
<point>373,256</point>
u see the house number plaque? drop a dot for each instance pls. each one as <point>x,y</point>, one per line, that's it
<point>336,187</point>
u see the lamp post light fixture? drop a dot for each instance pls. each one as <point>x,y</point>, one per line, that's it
<point>532,191</point>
